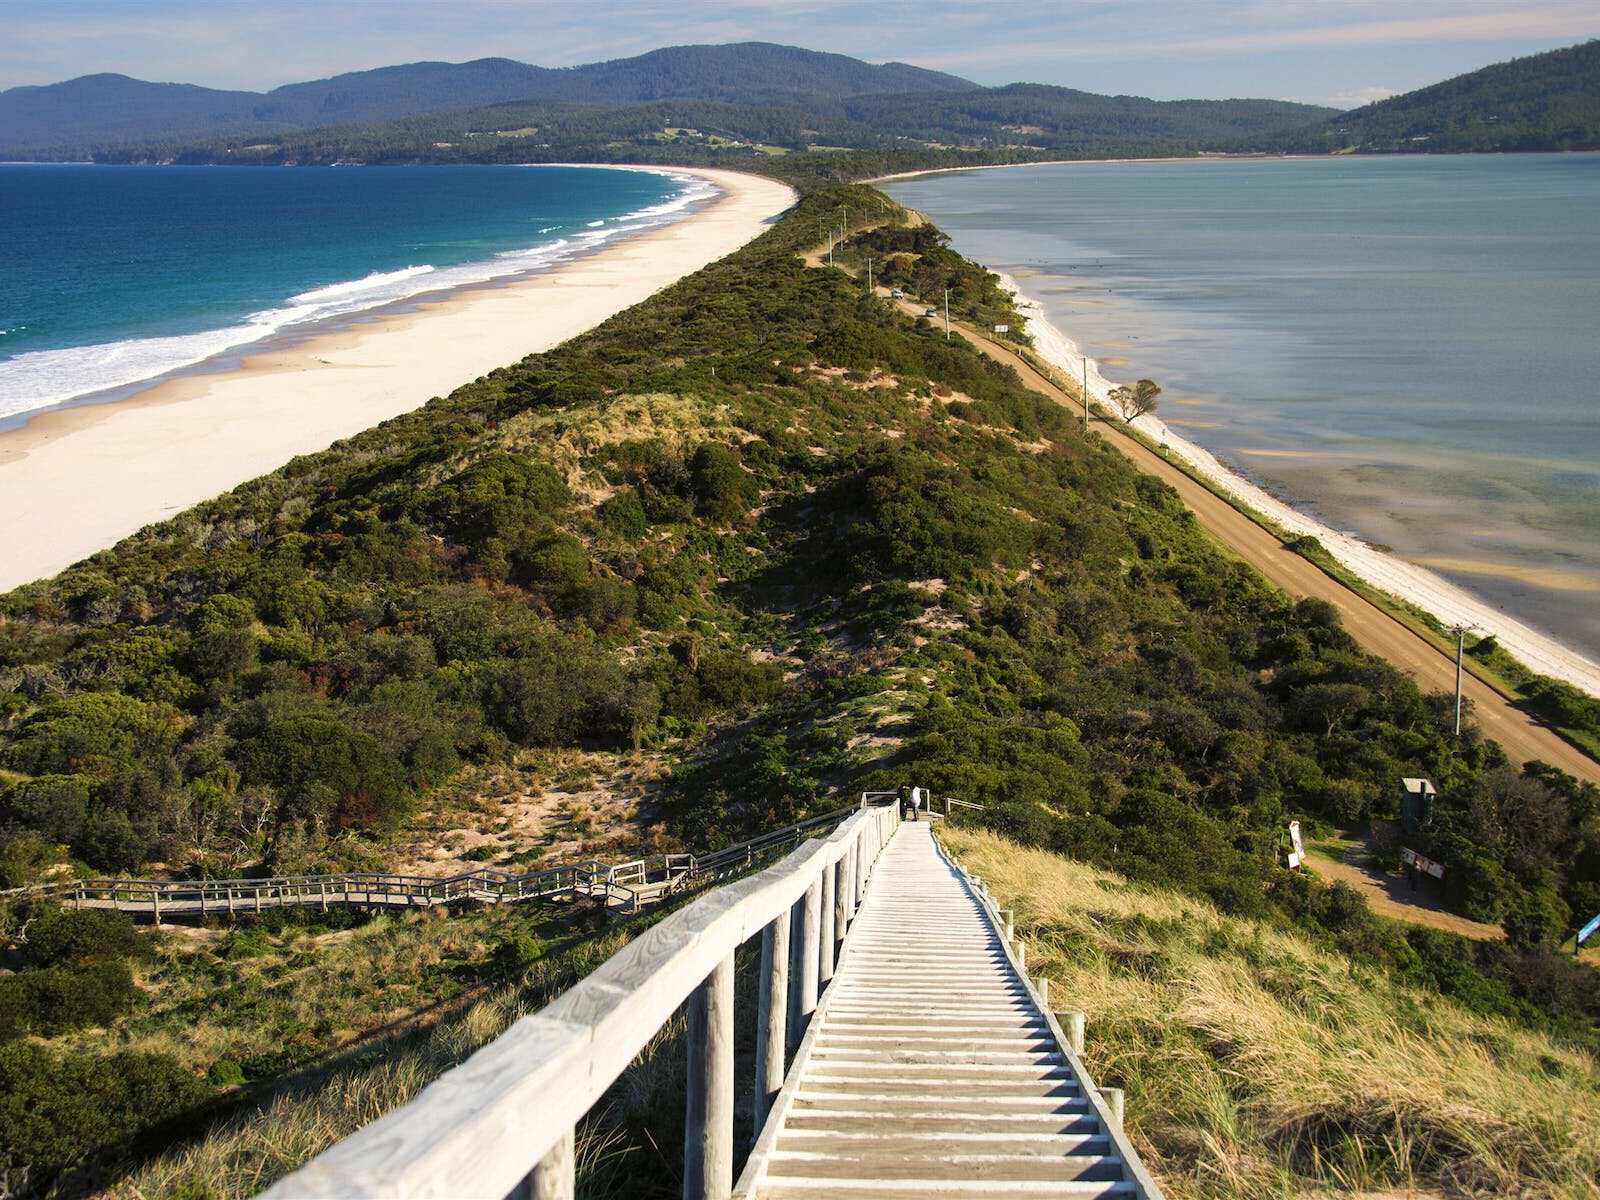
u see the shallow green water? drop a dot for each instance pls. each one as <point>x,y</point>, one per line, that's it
<point>1407,347</point>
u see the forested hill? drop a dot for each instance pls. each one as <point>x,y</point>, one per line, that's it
<point>1546,101</point>
<point>683,103</point>
<point>839,139</point>
<point>100,111</point>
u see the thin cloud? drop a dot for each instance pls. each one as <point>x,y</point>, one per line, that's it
<point>1552,21</point>
<point>1167,47</point>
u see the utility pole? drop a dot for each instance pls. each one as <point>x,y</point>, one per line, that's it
<point>869,274</point>
<point>947,314</point>
<point>1461,645</point>
<point>1086,393</point>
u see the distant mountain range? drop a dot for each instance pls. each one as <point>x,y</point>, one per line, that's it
<point>107,110</point>
<point>1547,101</point>
<point>110,114</point>
<point>836,116</point>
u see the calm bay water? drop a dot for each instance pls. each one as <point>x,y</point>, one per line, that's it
<point>115,275</point>
<point>1407,347</point>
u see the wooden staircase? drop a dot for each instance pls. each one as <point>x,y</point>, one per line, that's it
<point>929,1069</point>
<point>925,1062</point>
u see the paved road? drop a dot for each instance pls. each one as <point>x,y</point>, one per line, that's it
<point>1523,737</point>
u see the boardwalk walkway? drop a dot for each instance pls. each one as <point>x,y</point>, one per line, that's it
<point>931,1070</point>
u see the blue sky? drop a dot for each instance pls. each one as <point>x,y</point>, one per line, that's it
<point>1343,52</point>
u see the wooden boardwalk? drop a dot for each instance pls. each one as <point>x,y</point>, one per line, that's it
<point>626,886</point>
<point>928,1064</point>
<point>930,1069</point>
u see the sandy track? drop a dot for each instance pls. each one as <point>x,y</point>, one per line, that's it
<point>1389,896</point>
<point>1523,737</point>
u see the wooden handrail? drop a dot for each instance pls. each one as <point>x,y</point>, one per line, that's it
<point>502,1122</point>
<point>626,881</point>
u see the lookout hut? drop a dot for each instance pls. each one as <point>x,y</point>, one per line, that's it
<point>1416,804</point>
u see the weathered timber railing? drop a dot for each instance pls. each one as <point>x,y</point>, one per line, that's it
<point>629,884</point>
<point>1107,1103</point>
<point>502,1123</point>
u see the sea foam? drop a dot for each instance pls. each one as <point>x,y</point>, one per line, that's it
<point>43,378</point>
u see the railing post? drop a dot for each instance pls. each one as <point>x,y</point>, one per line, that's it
<point>841,905</point>
<point>1075,1031</point>
<point>155,903</point>
<point>795,1026</point>
<point>1116,1102</point>
<point>810,954</point>
<point>708,1100</point>
<point>772,1011</point>
<point>555,1178</point>
<point>825,930</point>
<point>851,870</point>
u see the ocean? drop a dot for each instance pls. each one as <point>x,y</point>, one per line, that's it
<point>1408,348</point>
<point>117,275</point>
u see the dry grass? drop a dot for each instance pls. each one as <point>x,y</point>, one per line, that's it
<point>268,1139</point>
<point>1258,1065</point>
<point>290,997</point>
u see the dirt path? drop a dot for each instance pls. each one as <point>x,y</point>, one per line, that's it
<point>1521,736</point>
<point>1391,896</point>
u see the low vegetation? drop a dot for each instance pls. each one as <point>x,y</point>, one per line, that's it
<point>1260,1062</point>
<point>790,543</point>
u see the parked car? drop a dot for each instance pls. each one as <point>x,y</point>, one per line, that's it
<point>896,294</point>
<point>932,312</point>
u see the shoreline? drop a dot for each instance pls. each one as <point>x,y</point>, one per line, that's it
<point>556,254</point>
<point>1399,577</point>
<point>79,477</point>
<point>1100,162</point>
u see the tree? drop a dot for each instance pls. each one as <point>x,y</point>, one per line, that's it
<point>1136,400</point>
<point>1536,919</point>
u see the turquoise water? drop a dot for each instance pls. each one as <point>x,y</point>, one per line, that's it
<point>1407,347</point>
<point>115,275</point>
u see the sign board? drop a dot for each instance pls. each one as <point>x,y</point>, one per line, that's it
<point>1002,329</point>
<point>1587,931</point>
<point>1294,838</point>
<point>1426,865</point>
<point>1295,858</point>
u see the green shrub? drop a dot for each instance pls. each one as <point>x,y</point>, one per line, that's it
<point>51,1000</point>
<point>723,490</point>
<point>57,1110</point>
<point>624,515</point>
<point>54,806</point>
<point>60,936</point>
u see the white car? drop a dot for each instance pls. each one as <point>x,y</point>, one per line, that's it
<point>896,294</point>
<point>932,312</point>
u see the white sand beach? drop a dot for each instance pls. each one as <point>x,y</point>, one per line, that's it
<point>76,480</point>
<point>1388,572</point>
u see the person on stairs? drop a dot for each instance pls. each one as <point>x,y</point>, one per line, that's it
<point>904,794</point>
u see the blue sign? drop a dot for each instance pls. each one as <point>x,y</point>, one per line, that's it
<point>1585,933</point>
